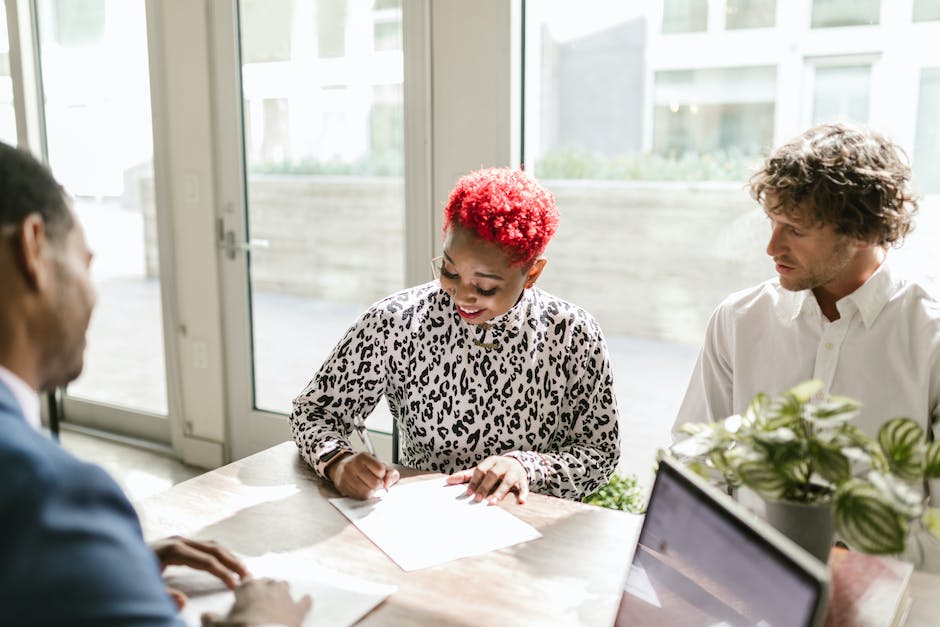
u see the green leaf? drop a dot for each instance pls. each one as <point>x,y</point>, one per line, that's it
<point>833,412</point>
<point>805,391</point>
<point>931,520</point>
<point>904,498</point>
<point>831,463</point>
<point>777,436</point>
<point>756,408</point>
<point>866,522</point>
<point>932,461</point>
<point>622,492</point>
<point>902,441</point>
<point>700,443</point>
<point>762,478</point>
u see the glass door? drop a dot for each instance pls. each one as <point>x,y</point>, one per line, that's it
<point>99,143</point>
<point>7,112</point>
<point>312,226</point>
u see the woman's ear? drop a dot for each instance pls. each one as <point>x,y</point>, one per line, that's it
<point>534,271</point>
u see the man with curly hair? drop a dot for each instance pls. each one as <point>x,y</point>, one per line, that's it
<point>837,198</point>
<point>502,386</point>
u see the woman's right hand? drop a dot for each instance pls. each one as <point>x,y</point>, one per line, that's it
<point>360,474</point>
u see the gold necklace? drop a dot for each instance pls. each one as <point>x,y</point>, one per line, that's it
<point>486,345</point>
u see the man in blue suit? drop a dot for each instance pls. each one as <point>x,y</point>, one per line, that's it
<point>71,548</point>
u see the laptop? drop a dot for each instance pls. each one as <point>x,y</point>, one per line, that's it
<point>702,560</point>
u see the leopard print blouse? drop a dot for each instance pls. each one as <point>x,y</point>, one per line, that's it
<point>534,383</point>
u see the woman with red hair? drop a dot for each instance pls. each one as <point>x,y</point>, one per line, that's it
<point>491,380</point>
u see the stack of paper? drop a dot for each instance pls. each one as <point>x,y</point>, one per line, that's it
<point>426,523</point>
<point>339,600</point>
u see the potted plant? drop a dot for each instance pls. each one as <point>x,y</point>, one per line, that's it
<point>621,492</point>
<point>801,451</point>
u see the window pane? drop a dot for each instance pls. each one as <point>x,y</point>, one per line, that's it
<point>647,146</point>
<point>324,141</point>
<point>840,93</point>
<point>829,13</point>
<point>387,25</point>
<point>331,28</point>
<point>926,10</point>
<point>685,16</point>
<point>927,142</point>
<point>95,79</point>
<point>7,113</point>
<point>750,13</point>
<point>727,114</point>
<point>649,250</point>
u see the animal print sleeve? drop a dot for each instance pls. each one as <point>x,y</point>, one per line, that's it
<point>589,439</point>
<point>348,386</point>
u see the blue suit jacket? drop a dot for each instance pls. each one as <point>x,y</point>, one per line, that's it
<point>71,547</point>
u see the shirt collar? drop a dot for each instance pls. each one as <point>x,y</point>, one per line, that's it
<point>873,295</point>
<point>515,314</point>
<point>868,300</point>
<point>24,395</point>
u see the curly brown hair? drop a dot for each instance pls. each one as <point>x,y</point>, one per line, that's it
<point>850,177</point>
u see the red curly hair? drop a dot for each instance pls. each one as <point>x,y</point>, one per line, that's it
<point>507,207</point>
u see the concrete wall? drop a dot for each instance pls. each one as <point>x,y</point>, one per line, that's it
<point>653,259</point>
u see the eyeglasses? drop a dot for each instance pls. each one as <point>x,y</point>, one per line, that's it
<point>436,263</point>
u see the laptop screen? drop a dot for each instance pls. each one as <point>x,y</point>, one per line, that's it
<point>701,560</point>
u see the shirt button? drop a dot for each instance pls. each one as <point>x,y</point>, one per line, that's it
<point>828,346</point>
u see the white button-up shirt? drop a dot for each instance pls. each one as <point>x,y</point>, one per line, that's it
<point>24,395</point>
<point>884,350</point>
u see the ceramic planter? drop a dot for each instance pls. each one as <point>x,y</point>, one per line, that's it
<point>811,525</point>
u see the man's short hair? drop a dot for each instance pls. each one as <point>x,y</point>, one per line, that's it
<point>26,187</point>
<point>850,177</point>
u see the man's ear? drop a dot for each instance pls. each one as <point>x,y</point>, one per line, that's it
<point>535,271</point>
<point>31,248</point>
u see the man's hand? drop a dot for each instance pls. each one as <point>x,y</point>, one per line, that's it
<point>262,602</point>
<point>494,478</point>
<point>207,556</point>
<point>359,475</point>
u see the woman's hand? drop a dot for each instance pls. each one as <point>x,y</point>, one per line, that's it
<point>360,475</point>
<point>494,478</point>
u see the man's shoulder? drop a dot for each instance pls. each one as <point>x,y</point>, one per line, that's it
<point>759,298</point>
<point>918,291</point>
<point>34,465</point>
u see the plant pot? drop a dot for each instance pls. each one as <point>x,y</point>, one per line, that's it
<point>811,525</point>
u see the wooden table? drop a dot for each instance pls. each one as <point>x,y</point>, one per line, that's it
<point>573,575</point>
<point>273,502</point>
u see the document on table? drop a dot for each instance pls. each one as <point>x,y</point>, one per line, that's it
<point>426,523</point>
<point>339,600</point>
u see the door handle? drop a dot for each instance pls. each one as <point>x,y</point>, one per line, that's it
<point>231,247</point>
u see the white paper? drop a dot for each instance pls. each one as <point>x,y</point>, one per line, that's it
<point>426,523</point>
<point>639,585</point>
<point>339,600</point>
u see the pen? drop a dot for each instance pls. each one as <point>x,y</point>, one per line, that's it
<point>364,436</point>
